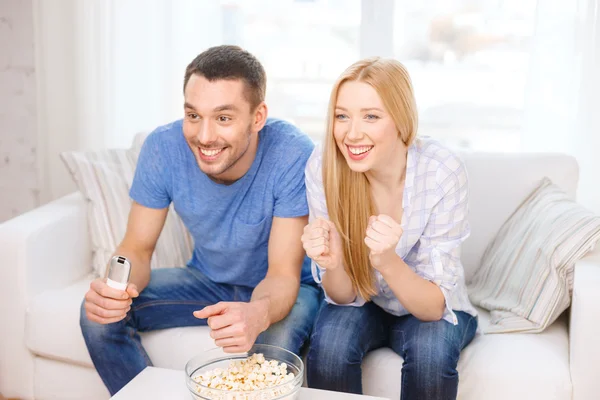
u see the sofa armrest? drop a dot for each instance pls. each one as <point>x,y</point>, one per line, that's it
<point>584,329</point>
<point>46,248</point>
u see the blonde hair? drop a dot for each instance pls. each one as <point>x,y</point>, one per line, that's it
<point>348,193</point>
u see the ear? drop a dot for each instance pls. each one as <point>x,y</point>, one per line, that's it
<point>259,117</point>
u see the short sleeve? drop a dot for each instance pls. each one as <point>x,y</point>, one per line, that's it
<point>150,186</point>
<point>290,190</point>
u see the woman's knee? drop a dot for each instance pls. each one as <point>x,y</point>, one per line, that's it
<point>434,349</point>
<point>331,353</point>
<point>335,341</point>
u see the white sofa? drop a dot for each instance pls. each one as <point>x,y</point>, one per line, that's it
<point>45,272</point>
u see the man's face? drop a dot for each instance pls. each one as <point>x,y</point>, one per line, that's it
<point>219,126</point>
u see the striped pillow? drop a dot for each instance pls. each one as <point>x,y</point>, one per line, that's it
<point>526,276</point>
<point>104,178</point>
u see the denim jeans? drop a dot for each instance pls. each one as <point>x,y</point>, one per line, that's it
<point>169,300</point>
<point>343,335</point>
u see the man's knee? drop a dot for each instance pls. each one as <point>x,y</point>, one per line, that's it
<point>305,308</point>
<point>94,332</point>
<point>280,336</point>
<point>293,331</point>
<point>84,322</point>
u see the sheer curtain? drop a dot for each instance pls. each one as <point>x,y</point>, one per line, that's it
<point>303,46</point>
<point>563,89</point>
<point>587,126</point>
<point>469,62</point>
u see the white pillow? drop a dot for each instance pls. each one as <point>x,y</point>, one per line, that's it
<point>104,178</point>
<point>526,275</point>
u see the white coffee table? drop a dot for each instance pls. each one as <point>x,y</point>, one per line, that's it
<point>168,384</point>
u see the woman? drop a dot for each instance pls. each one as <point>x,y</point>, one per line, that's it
<point>387,218</point>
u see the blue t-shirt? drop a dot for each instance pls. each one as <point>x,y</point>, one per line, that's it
<point>230,224</point>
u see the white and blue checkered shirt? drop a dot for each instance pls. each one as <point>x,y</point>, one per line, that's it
<point>434,223</point>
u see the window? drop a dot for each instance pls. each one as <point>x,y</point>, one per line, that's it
<point>496,75</point>
<point>303,46</point>
<point>469,65</point>
<point>468,59</point>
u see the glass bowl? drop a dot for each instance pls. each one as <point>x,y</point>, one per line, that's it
<point>217,358</point>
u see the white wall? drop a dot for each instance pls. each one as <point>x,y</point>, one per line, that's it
<point>19,182</point>
<point>40,106</point>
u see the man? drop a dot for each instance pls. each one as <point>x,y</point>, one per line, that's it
<point>237,181</point>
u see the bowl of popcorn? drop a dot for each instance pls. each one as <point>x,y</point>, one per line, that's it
<point>263,373</point>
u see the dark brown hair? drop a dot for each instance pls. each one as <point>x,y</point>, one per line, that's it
<point>230,63</point>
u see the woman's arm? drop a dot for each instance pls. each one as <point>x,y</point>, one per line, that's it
<point>338,286</point>
<point>420,297</point>
<point>327,257</point>
<point>424,288</point>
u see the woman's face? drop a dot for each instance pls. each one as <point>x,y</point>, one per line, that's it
<point>364,131</point>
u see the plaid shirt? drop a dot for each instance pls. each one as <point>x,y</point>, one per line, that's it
<point>434,223</point>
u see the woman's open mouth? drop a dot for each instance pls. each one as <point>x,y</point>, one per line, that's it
<point>358,153</point>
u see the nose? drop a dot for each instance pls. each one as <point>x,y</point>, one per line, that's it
<point>354,131</point>
<point>206,133</point>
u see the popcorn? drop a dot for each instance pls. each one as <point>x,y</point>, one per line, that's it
<point>251,374</point>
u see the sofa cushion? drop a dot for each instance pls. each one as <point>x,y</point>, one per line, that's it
<point>104,178</point>
<point>534,366</point>
<point>52,331</point>
<point>491,367</point>
<point>493,197</point>
<point>526,275</point>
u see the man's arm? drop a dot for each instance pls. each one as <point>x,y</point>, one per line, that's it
<point>236,325</point>
<point>106,305</point>
<point>143,229</point>
<point>276,294</point>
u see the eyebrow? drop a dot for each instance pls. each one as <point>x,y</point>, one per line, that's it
<point>224,107</point>
<point>362,109</point>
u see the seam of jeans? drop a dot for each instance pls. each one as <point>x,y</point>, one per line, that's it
<point>403,343</point>
<point>131,331</point>
<point>462,342</point>
<point>403,376</point>
<point>170,303</point>
<point>314,331</point>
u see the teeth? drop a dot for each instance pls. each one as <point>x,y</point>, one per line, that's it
<point>210,153</point>
<point>360,150</point>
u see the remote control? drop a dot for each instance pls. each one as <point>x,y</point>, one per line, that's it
<point>119,269</point>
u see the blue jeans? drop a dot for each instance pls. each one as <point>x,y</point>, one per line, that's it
<point>343,335</point>
<point>168,301</point>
